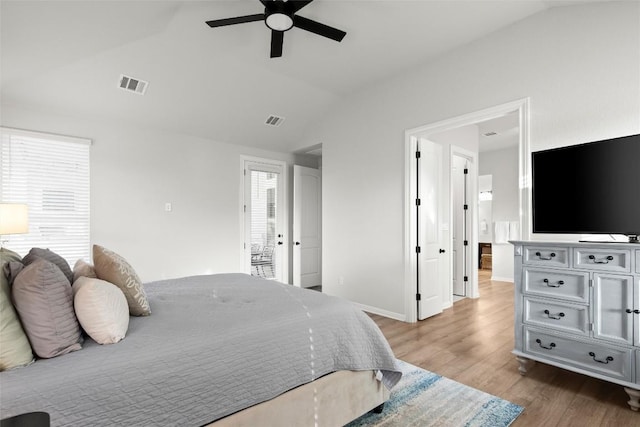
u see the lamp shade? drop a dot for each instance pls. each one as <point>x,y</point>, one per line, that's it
<point>14,218</point>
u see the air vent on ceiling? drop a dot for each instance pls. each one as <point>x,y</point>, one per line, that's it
<point>490,134</point>
<point>274,121</point>
<point>132,84</point>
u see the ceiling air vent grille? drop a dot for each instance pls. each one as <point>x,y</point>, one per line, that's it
<point>490,134</point>
<point>132,84</point>
<point>274,121</point>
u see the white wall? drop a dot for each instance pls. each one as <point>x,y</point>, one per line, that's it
<point>503,165</point>
<point>135,171</point>
<point>579,65</point>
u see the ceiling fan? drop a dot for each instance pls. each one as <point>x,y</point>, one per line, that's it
<point>280,16</point>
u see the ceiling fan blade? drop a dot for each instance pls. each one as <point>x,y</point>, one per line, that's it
<point>277,37</point>
<point>318,28</point>
<point>299,4</point>
<point>236,20</point>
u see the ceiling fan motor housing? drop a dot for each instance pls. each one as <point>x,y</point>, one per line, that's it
<point>278,16</point>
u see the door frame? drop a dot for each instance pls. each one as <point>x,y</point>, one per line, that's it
<point>522,106</point>
<point>244,266</point>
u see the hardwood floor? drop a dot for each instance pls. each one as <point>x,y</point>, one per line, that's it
<point>472,342</point>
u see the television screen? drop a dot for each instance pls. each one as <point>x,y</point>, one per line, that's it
<point>590,188</point>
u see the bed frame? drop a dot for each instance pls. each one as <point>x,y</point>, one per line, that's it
<point>333,400</point>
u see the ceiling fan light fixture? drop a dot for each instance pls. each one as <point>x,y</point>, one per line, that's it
<point>279,21</point>
<point>280,16</point>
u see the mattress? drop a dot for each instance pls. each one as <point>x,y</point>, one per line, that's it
<point>213,345</point>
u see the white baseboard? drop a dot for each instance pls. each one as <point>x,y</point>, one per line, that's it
<point>374,310</point>
<point>502,279</point>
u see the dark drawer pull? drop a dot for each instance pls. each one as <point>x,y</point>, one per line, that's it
<point>636,311</point>
<point>546,348</point>
<point>606,361</point>
<point>550,316</point>
<point>552,255</point>
<point>601,261</point>
<point>549,284</point>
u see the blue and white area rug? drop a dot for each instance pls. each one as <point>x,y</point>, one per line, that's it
<point>424,399</point>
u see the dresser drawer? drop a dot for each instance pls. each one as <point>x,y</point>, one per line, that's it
<point>565,284</point>
<point>565,317</point>
<point>610,361</point>
<point>617,260</point>
<point>544,255</point>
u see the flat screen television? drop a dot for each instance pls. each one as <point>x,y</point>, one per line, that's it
<point>591,188</point>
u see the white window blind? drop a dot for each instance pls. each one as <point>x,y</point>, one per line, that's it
<point>50,174</point>
<point>263,207</point>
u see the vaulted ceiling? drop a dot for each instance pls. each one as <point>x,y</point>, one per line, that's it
<point>220,83</point>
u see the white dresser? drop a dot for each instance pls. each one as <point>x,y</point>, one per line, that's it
<point>577,306</point>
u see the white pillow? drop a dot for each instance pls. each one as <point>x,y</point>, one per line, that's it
<point>101,309</point>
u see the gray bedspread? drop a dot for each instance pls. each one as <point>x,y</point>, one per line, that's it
<point>212,346</point>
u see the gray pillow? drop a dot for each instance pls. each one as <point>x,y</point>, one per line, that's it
<point>15,350</point>
<point>50,256</point>
<point>44,301</point>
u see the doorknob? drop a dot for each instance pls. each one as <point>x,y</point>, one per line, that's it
<point>297,243</point>
<point>442,251</point>
<point>279,243</point>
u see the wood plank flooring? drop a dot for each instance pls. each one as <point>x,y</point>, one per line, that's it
<point>472,342</point>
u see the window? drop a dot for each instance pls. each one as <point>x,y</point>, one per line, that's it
<point>49,173</point>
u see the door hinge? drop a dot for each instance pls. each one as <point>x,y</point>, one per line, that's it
<point>466,171</point>
<point>465,207</point>
<point>244,208</point>
<point>417,154</point>
<point>466,278</point>
<point>465,243</point>
<point>591,283</point>
<point>417,249</point>
<point>418,297</point>
<point>417,202</point>
<point>590,327</point>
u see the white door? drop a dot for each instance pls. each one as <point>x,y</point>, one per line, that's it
<point>431,267</point>
<point>264,220</point>
<point>307,227</point>
<point>459,223</point>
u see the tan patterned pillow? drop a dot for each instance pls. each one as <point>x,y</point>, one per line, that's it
<point>113,268</point>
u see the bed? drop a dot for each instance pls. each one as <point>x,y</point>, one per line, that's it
<point>218,350</point>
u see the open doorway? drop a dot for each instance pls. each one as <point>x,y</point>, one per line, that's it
<point>496,204</point>
<point>449,134</point>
